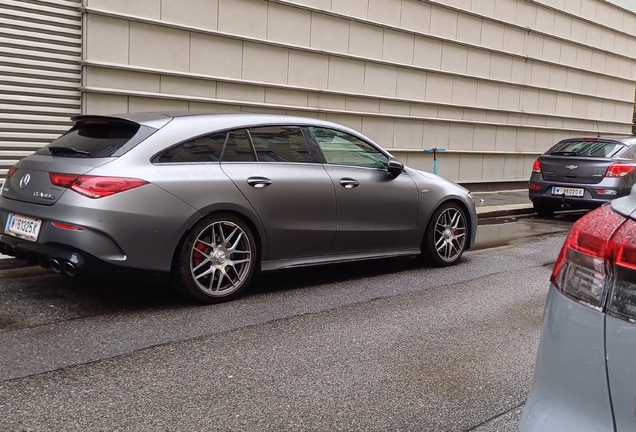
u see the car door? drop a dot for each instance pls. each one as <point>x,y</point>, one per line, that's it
<point>281,177</point>
<point>376,212</point>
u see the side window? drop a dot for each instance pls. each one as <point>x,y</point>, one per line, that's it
<point>203,149</point>
<point>340,148</point>
<point>238,147</point>
<point>630,153</point>
<point>280,144</point>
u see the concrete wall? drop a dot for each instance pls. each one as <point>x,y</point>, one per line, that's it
<point>496,82</point>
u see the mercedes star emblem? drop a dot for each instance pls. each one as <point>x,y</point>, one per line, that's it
<point>25,180</point>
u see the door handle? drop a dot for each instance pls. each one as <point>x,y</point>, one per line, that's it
<point>259,182</point>
<point>349,183</point>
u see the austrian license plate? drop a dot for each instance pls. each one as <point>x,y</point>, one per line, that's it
<point>569,192</point>
<point>23,227</point>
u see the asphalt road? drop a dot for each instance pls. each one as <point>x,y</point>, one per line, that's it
<point>384,345</point>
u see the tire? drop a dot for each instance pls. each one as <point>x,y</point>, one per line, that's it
<point>215,260</point>
<point>444,241</point>
<point>544,210</point>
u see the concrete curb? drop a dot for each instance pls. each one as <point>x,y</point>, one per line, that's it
<point>505,210</point>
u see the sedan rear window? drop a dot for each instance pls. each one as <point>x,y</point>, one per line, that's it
<point>93,139</point>
<point>586,149</point>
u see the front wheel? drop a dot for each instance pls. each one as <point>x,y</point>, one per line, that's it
<point>216,259</point>
<point>445,237</point>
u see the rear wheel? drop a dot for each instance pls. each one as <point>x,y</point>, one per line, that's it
<point>543,209</point>
<point>445,237</point>
<point>216,260</point>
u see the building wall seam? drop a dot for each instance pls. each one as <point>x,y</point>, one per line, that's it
<point>144,69</point>
<point>168,24</point>
<point>236,102</point>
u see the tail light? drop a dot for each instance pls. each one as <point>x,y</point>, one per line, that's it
<point>597,264</point>
<point>536,167</point>
<point>95,186</point>
<point>619,170</point>
<point>622,299</point>
<point>11,171</point>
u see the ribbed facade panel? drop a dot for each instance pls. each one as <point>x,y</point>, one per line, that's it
<point>40,74</point>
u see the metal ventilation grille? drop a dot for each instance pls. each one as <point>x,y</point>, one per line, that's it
<point>40,53</point>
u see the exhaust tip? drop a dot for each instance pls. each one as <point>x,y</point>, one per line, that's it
<point>69,268</point>
<point>55,266</point>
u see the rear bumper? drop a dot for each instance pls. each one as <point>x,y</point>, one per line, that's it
<point>569,390</point>
<point>137,229</point>
<point>592,198</point>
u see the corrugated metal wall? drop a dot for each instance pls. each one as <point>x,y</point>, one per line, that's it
<point>40,54</point>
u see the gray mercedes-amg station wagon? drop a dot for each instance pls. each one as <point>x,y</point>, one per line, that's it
<point>211,198</point>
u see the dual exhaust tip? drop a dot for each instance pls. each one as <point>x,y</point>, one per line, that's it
<point>64,267</point>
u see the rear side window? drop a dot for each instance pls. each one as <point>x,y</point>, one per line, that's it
<point>94,139</point>
<point>238,147</point>
<point>280,144</point>
<point>202,149</point>
<point>586,149</point>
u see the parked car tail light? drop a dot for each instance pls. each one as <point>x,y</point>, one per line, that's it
<point>581,270</point>
<point>535,186</point>
<point>619,170</point>
<point>536,167</point>
<point>95,186</point>
<point>62,180</point>
<point>11,171</point>
<point>622,299</point>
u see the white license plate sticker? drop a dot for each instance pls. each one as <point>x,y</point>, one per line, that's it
<point>23,227</point>
<point>569,192</point>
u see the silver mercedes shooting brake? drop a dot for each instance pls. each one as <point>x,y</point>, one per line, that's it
<point>211,198</point>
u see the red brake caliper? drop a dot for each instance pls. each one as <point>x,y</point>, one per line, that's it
<point>198,258</point>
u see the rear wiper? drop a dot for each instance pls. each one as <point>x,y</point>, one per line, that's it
<point>60,149</point>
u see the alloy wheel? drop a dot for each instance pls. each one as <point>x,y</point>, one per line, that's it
<point>221,258</point>
<point>450,234</point>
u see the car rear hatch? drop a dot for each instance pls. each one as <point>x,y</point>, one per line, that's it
<point>579,161</point>
<point>91,142</point>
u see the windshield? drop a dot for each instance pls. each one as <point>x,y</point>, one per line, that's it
<point>586,149</point>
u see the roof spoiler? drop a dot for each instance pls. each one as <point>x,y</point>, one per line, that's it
<point>153,120</point>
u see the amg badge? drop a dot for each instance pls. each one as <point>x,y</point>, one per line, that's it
<point>44,195</point>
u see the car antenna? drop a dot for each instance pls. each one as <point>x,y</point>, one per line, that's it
<point>598,131</point>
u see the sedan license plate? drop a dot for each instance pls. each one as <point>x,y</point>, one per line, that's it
<point>23,227</point>
<point>568,192</point>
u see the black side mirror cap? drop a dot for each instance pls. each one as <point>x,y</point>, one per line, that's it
<point>395,167</point>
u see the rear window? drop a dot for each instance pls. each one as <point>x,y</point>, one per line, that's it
<point>586,149</point>
<point>93,139</point>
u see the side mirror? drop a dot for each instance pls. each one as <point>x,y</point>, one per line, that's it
<point>395,167</point>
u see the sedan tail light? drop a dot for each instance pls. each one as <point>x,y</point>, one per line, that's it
<point>619,170</point>
<point>11,171</point>
<point>536,167</point>
<point>95,186</point>
<point>597,264</point>
<point>622,299</point>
